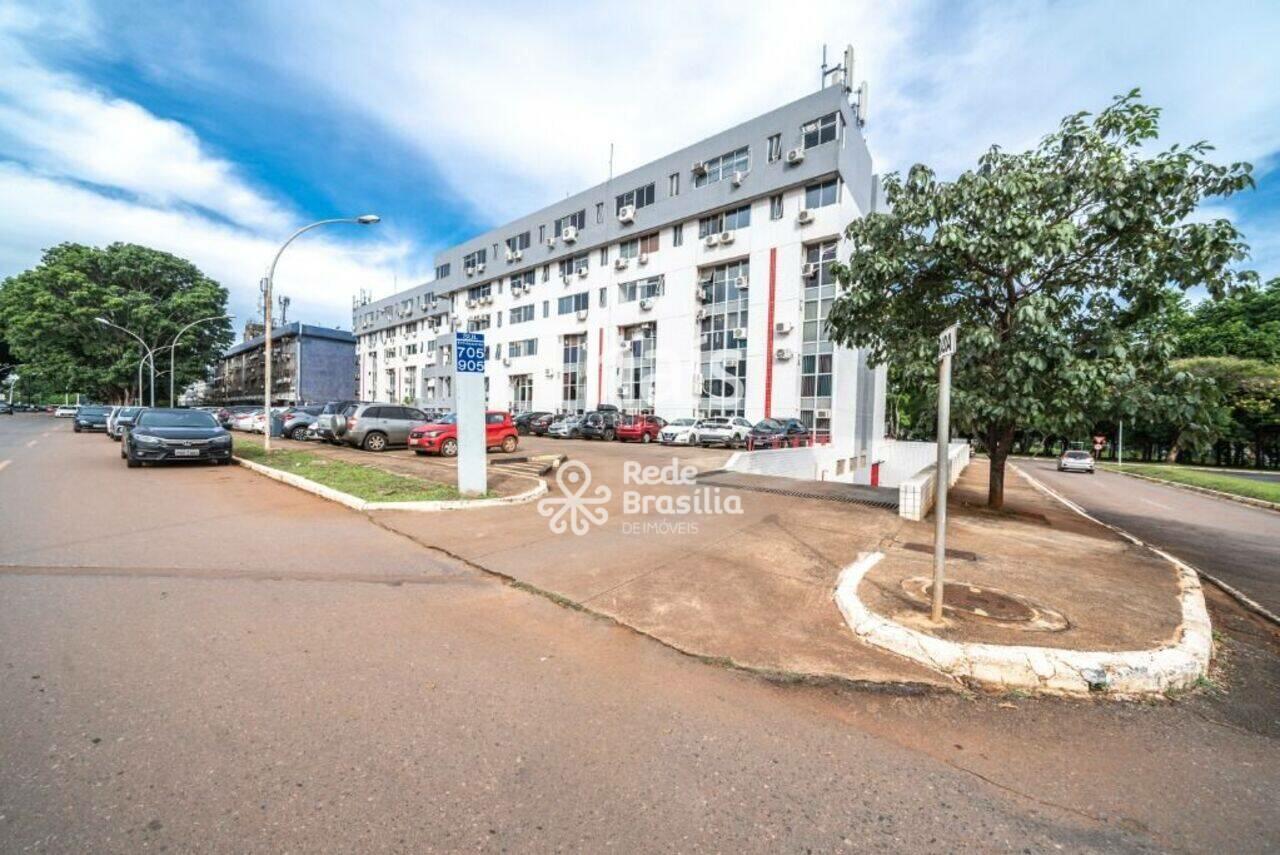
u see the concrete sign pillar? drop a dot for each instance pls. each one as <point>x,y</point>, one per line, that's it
<point>468,385</point>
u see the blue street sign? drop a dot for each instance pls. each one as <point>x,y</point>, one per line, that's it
<point>468,352</point>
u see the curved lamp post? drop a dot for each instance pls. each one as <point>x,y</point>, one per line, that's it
<point>174,346</point>
<point>366,220</point>
<point>150,356</point>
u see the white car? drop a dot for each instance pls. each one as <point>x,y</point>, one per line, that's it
<point>244,421</point>
<point>726,430</point>
<point>680,432</point>
<point>111,420</point>
<point>1076,461</point>
<point>64,412</point>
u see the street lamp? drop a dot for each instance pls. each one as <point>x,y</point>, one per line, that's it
<point>150,356</point>
<point>174,346</point>
<point>365,220</point>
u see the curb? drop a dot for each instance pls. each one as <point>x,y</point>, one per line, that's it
<point>1205,491</point>
<point>355,504</point>
<point>1042,669</point>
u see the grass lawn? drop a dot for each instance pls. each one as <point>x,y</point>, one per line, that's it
<point>1220,481</point>
<point>363,482</point>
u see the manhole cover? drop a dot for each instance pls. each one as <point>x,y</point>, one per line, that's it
<point>965,600</point>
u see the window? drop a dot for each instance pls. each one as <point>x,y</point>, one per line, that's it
<point>574,303</point>
<point>525,279</point>
<point>629,292</point>
<point>649,244</point>
<point>673,184</point>
<point>640,197</point>
<point>816,347</point>
<point>570,266</point>
<point>546,272</point>
<point>725,221</point>
<point>599,212</point>
<point>821,195</point>
<point>522,314</point>
<point>775,147</point>
<point>578,220</point>
<point>522,393</point>
<point>474,259</point>
<point>442,271</point>
<point>677,234</point>
<point>637,367</point>
<point>604,255</point>
<point>724,166</point>
<point>775,207</point>
<point>604,297</point>
<point>723,343</point>
<point>546,308</point>
<point>573,390</point>
<point>821,130</point>
<point>542,234</point>
<point>638,246</point>
<point>519,242</point>
<point>478,291</point>
<point>524,347</point>
<point>478,324</point>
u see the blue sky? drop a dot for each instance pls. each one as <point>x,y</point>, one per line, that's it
<point>213,129</point>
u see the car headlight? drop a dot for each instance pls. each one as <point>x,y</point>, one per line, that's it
<point>221,441</point>
<point>147,439</point>
<point>432,433</point>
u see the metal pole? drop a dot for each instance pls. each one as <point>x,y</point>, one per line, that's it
<point>173,348</point>
<point>942,481</point>
<point>1120,446</point>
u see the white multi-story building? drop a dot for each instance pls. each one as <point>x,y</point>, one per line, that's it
<point>696,285</point>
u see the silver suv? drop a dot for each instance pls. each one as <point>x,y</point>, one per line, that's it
<point>378,426</point>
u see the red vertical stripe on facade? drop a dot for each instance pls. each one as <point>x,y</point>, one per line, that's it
<point>768,353</point>
<point>600,371</point>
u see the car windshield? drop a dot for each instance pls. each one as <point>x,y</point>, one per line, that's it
<point>715,423</point>
<point>129,411</point>
<point>447,419</point>
<point>94,411</point>
<point>1078,455</point>
<point>768,424</point>
<point>681,423</point>
<point>176,419</point>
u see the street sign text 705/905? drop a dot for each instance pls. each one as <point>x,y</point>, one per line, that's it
<point>469,352</point>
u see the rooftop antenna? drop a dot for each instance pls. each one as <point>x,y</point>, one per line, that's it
<point>284,310</point>
<point>845,71</point>
<point>610,161</point>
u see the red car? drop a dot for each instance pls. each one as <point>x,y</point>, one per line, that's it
<point>640,429</point>
<point>441,437</point>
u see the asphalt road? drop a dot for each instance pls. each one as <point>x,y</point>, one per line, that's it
<point>1234,542</point>
<point>200,660</point>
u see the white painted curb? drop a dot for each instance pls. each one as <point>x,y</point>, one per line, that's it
<point>361,505</point>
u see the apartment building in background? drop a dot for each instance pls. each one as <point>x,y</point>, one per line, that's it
<point>309,365</point>
<point>696,285</point>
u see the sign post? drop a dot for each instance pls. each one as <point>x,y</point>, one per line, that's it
<point>468,388</point>
<point>942,475</point>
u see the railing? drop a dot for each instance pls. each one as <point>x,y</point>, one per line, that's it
<point>807,440</point>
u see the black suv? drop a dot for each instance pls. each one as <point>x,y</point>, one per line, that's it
<point>167,435</point>
<point>90,418</point>
<point>602,424</point>
<point>524,421</point>
<point>777,432</point>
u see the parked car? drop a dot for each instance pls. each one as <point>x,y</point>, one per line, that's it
<point>524,420</point>
<point>66,411</point>
<point>259,422</point>
<point>538,426</point>
<point>298,419</point>
<point>377,427</point>
<point>770,432</point>
<point>331,424</point>
<point>728,431</point>
<point>1076,461</point>
<point>124,419</point>
<point>6,409</point>
<point>566,427</point>
<point>641,429</point>
<point>111,419</point>
<point>679,432</point>
<point>90,418</point>
<point>602,424</point>
<point>168,435</point>
<point>242,418</point>
<point>441,436</point>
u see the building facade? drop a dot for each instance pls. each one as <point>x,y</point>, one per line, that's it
<point>696,285</point>
<point>309,365</point>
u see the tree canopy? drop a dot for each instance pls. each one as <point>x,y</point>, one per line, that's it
<point>47,318</point>
<point>1057,263</point>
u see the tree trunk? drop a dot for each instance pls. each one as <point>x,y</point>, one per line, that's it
<point>999,442</point>
<point>1172,455</point>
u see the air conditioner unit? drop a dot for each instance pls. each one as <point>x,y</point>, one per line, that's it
<point>742,283</point>
<point>726,237</point>
<point>796,155</point>
<point>479,268</point>
<point>810,270</point>
<point>620,263</point>
<point>487,300</point>
<point>712,240</point>
<point>699,168</point>
<point>736,178</point>
<point>627,214</point>
<point>697,384</point>
<point>550,372</point>
<point>570,234</point>
<point>782,328</point>
<point>514,255</point>
<point>822,414</point>
<point>582,314</point>
<point>740,332</point>
<point>582,273</point>
<point>470,271</point>
<point>551,243</point>
<point>804,217</point>
<point>506,360</point>
<point>646,304</point>
<point>704,296</point>
<point>700,315</point>
<point>643,258</point>
<point>471,304</point>
<point>782,354</point>
<point>511,256</point>
<point>566,279</point>
<point>624,345</point>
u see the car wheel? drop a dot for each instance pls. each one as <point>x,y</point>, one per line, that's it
<point>693,439</point>
<point>645,438</point>
<point>374,441</point>
<point>509,444</point>
<point>449,448</point>
<point>76,428</point>
<point>131,463</point>
<point>299,434</point>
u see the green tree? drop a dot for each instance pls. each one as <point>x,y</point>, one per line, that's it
<point>47,317</point>
<point>1051,260</point>
<point>1244,324</point>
